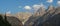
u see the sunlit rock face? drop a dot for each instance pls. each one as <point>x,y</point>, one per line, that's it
<point>23,16</point>
<point>41,11</point>
<point>51,9</point>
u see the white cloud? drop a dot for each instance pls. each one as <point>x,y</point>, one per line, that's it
<point>27,7</point>
<point>58,2</point>
<point>49,1</point>
<point>8,12</point>
<point>37,6</point>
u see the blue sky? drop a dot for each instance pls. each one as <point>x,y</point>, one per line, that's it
<point>18,5</point>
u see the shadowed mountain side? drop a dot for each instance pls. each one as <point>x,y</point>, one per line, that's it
<point>14,21</point>
<point>31,21</point>
<point>4,22</point>
<point>54,21</point>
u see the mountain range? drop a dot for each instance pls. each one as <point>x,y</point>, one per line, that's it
<point>43,15</point>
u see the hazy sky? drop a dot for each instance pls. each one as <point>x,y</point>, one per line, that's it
<point>15,6</point>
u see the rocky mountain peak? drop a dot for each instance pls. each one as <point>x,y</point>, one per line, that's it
<point>51,9</point>
<point>40,11</point>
